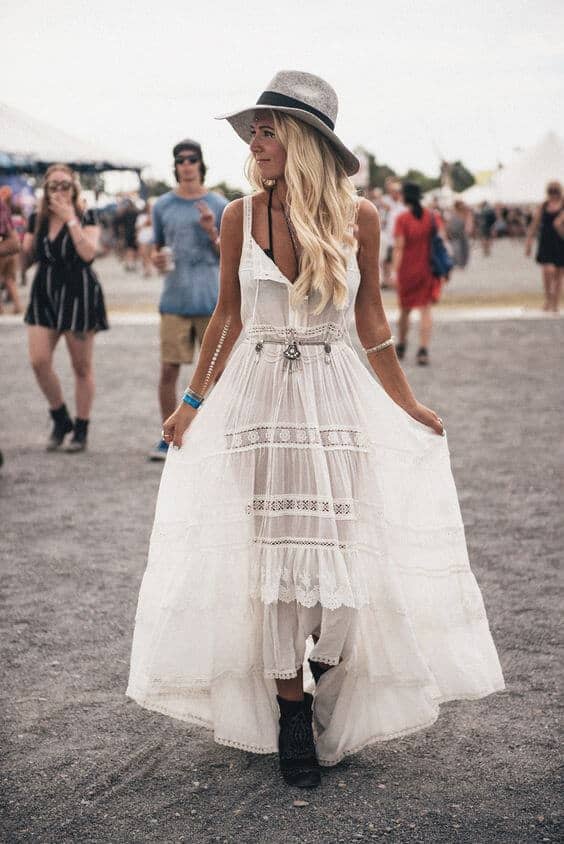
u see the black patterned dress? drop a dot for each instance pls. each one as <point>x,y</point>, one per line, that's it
<point>66,294</point>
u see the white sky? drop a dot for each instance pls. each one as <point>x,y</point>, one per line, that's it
<point>471,79</point>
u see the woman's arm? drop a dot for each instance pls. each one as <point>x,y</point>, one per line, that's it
<point>9,244</point>
<point>372,324</point>
<point>85,239</point>
<point>223,328</point>
<point>397,256</point>
<point>533,230</point>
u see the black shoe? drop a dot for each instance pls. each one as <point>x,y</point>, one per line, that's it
<point>400,350</point>
<point>62,425</point>
<point>317,670</point>
<point>296,747</point>
<point>79,438</point>
<point>422,357</point>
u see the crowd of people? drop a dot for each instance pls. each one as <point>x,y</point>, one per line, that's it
<point>317,510</point>
<point>177,236</point>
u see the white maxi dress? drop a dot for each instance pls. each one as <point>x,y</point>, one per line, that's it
<point>305,501</point>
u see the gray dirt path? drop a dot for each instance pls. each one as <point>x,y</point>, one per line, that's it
<point>81,763</point>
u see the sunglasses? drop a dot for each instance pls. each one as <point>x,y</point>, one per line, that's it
<point>181,159</point>
<point>52,187</point>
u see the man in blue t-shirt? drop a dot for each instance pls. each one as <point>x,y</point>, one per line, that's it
<point>187,221</point>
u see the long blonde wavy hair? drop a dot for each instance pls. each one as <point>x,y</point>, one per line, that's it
<point>321,202</point>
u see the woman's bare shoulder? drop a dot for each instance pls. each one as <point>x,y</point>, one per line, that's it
<point>368,219</point>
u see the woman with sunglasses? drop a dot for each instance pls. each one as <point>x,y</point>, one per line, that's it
<point>66,299</point>
<point>547,225</point>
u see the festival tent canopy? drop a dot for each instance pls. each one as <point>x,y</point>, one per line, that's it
<point>524,179</point>
<point>28,145</point>
<point>476,194</point>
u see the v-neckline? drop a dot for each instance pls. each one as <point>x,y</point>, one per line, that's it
<point>57,235</point>
<point>269,259</point>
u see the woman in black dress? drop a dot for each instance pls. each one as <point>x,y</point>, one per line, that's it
<point>66,299</point>
<point>550,252</point>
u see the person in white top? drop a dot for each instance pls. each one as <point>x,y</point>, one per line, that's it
<point>393,205</point>
<point>294,522</point>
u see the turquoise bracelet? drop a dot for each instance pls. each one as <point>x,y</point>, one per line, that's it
<point>191,400</point>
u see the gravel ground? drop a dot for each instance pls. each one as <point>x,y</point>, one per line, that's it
<point>82,763</point>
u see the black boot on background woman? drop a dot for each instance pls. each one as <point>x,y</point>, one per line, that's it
<point>62,425</point>
<point>80,436</point>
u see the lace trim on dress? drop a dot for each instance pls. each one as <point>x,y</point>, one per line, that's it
<point>296,505</point>
<point>304,542</point>
<point>297,436</point>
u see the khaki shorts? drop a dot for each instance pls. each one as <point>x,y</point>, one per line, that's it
<point>179,335</point>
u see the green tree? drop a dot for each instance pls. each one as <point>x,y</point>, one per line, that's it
<point>461,177</point>
<point>228,191</point>
<point>425,182</point>
<point>377,173</point>
<point>155,187</point>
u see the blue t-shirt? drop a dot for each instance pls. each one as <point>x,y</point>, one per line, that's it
<point>191,289</point>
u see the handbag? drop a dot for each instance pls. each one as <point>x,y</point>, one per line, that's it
<point>440,260</point>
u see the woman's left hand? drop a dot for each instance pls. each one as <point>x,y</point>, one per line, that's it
<point>427,417</point>
<point>62,208</point>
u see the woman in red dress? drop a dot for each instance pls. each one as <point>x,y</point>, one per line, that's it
<point>411,269</point>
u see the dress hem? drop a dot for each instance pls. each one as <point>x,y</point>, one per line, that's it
<point>202,722</point>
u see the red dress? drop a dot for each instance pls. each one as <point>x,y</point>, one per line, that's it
<point>417,286</point>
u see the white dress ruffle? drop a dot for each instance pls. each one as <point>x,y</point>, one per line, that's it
<point>305,501</point>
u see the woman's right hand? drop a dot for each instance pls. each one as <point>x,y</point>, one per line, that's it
<point>427,417</point>
<point>178,423</point>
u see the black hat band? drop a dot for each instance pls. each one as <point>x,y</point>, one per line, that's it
<point>271,98</point>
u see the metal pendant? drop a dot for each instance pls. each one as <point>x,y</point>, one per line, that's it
<point>291,352</point>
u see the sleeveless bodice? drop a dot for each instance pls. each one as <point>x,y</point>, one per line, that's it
<point>265,294</point>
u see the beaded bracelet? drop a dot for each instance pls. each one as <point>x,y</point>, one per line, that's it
<point>381,346</point>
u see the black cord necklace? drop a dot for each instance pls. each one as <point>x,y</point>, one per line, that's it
<point>289,226</point>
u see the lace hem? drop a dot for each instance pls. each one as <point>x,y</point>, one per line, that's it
<point>154,706</point>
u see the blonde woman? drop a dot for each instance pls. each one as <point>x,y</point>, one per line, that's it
<point>66,300</point>
<point>295,517</point>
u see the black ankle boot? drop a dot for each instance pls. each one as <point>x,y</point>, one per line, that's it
<point>317,670</point>
<point>80,436</point>
<point>296,747</point>
<point>62,425</point>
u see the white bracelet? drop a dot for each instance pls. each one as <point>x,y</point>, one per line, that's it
<point>381,346</point>
<point>73,222</point>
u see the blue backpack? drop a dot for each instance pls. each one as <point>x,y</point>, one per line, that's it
<point>440,260</point>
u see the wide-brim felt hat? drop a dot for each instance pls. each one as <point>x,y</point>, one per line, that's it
<point>307,98</point>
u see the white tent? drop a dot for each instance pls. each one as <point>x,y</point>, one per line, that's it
<point>476,194</point>
<point>524,179</point>
<point>28,145</point>
<point>444,195</point>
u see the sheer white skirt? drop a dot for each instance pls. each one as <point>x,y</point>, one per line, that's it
<point>303,503</point>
